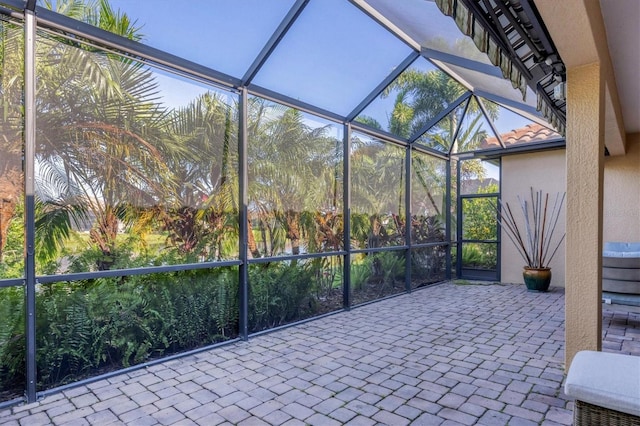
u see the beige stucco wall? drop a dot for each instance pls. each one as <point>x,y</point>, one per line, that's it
<point>544,171</point>
<point>547,171</point>
<point>621,211</point>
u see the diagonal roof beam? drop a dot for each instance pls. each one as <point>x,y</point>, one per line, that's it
<point>524,110</point>
<point>383,85</point>
<point>457,131</point>
<point>294,103</point>
<point>76,29</point>
<point>453,105</point>
<point>274,40</point>
<point>483,108</point>
<point>14,4</point>
<point>386,23</point>
<point>379,134</point>
<point>462,62</point>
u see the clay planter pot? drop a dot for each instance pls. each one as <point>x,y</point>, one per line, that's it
<point>537,279</point>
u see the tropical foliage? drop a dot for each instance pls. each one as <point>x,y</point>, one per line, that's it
<point>11,127</point>
<point>480,221</point>
<point>295,174</point>
<point>127,181</point>
<point>87,326</point>
<point>137,168</point>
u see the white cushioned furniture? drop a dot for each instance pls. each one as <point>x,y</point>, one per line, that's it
<point>605,380</point>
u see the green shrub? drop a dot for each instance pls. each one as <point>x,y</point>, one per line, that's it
<point>91,326</point>
<point>479,256</point>
<point>361,272</point>
<point>12,341</point>
<point>471,255</point>
<point>12,257</point>
<point>390,266</point>
<point>327,275</point>
<point>279,293</point>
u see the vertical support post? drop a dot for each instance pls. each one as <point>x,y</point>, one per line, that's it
<point>407,217</point>
<point>243,217</point>
<point>498,227</point>
<point>458,222</point>
<point>29,182</point>
<point>346,216</point>
<point>447,231</point>
<point>585,177</point>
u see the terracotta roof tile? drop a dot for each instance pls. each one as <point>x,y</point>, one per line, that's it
<point>533,132</point>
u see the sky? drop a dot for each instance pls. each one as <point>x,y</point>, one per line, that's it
<point>211,32</point>
<point>332,57</point>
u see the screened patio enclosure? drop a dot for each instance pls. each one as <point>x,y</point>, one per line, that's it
<point>174,176</point>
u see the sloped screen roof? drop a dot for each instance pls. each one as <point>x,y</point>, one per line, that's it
<point>345,60</point>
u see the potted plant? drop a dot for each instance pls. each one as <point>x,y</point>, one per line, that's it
<point>534,237</point>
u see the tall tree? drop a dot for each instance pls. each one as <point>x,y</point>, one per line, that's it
<point>203,203</point>
<point>99,120</point>
<point>292,174</point>
<point>420,96</point>
<point>11,176</point>
<point>378,175</point>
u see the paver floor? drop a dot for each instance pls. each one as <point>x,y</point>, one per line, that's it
<point>445,355</point>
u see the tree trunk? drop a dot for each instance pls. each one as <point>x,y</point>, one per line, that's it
<point>253,247</point>
<point>292,220</point>
<point>104,235</point>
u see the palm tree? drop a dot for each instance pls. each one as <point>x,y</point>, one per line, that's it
<point>11,177</point>
<point>378,193</point>
<point>420,96</point>
<point>282,171</point>
<point>292,174</point>
<point>203,202</point>
<point>428,195</point>
<point>98,13</point>
<point>99,121</point>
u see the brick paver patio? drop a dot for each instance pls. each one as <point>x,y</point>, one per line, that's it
<point>446,355</point>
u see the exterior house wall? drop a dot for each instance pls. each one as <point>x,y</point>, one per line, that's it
<point>547,171</point>
<point>544,171</point>
<point>621,211</point>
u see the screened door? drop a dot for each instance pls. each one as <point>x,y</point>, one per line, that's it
<point>478,248</point>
